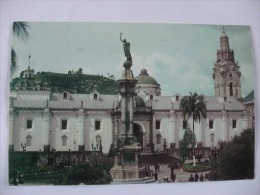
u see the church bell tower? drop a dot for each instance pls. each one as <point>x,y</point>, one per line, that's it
<point>226,73</point>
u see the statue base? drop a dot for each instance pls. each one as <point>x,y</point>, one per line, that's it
<point>127,169</point>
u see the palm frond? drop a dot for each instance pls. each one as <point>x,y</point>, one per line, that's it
<point>13,61</point>
<point>20,29</point>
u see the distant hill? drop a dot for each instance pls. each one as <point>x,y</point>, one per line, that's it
<point>75,83</point>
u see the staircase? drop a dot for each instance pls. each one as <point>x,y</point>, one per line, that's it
<point>162,158</point>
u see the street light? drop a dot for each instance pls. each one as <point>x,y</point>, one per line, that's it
<point>23,146</point>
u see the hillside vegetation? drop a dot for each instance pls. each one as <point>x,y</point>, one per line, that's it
<point>75,83</point>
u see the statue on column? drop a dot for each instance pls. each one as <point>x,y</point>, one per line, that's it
<point>126,46</point>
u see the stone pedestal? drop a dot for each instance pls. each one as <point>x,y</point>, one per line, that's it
<point>126,168</point>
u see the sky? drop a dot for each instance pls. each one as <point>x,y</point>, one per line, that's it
<point>180,57</point>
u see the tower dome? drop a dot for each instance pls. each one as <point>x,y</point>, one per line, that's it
<point>147,84</point>
<point>145,78</point>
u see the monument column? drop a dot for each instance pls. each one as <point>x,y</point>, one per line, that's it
<point>126,168</point>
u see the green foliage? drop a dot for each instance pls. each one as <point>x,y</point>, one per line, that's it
<point>198,168</point>
<point>88,174</point>
<point>112,152</point>
<point>20,30</point>
<point>75,83</point>
<point>189,139</point>
<point>22,162</point>
<point>237,161</point>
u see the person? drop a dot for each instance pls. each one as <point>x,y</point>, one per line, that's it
<point>165,179</point>
<point>155,176</point>
<point>196,177</point>
<point>148,171</point>
<point>126,46</point>
<point>181,168</point>
<point>191,179</point>
<point>173,177</point>
<point>201,178</point>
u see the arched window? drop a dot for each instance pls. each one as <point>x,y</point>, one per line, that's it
<point>95,96</point>
<point>64,140</point>
<point>177,98</point>
<point>22,84</point>
<point>65,95</point>
<point>231,89</point>
<point>29,140</point>
<point>98,138</point>
<point>158,138</point>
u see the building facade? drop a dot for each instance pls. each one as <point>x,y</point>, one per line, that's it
<point>75,122</point>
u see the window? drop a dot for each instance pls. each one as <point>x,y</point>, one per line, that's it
<point>177,98</point>
<point>95,96</point>
<point>157,124</point>
<point>98,139</point>
<point>29,124</point>
<point>231,89</point>
<point>211,123</point>
<point>184,124</point>
<point>97,125</point>
<point>64,124</point>
<point>225,99</point>
<point>234,124</point>
<point>158,138</point>
<point>64,140</point>
<point>29,140</point>
<point>65,95</point>
<point>151,97</point>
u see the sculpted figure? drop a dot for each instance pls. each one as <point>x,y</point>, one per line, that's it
<point>126,46</point>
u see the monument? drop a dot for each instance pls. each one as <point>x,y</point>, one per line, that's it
<point>127,168</point>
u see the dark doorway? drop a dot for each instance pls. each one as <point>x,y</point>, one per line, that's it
<point>138,133</point>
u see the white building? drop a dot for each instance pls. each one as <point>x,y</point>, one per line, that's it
<point>64,121</point>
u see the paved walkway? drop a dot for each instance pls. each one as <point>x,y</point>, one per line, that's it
<point>180,177</point>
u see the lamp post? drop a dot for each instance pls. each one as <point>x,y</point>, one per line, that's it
<point>164,145</point>
<point>94,148</point>
<point>23,146</point>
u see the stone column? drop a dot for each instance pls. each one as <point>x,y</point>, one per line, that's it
<point>224,130</point>
<point>131,113</point>
<point>11,128</point>
<point>172,133</point>
<point>123,116</point>
<point>245,119</point>
<point>80,138</point>
<point>151,133</point>
<point>47,137</point>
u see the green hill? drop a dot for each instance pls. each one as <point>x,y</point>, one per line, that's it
<point>74,83</point>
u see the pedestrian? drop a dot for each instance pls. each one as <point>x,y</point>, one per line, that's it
<point>196,177</point>
<point>173,177</point>
<point>155,176</point>
<point>156,167</point>
<point>181,168</point>
<point>165,179</point>
<point>149,171</point>
<point>191,179</point>
<point>201,178</point>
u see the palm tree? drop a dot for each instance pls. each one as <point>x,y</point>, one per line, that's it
<point>193,106</point>
<point>20,30</point>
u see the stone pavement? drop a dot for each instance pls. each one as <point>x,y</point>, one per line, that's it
<point>180,177</point>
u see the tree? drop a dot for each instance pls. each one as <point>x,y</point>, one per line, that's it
<point>237,161</point>
<point>80,71</point>
<point>193,106</point>
<point>20,30</point>
<point>188,140</point>
<point>88,174</point>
